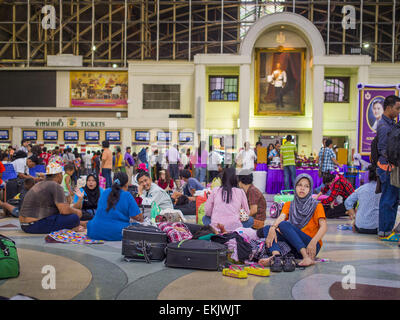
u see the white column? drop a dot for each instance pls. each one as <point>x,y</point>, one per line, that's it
<point>126,138</point>
<point>363,78</point>
<point>244,104</point>
<point>16,136</point>
<point>318,107</point>
<point>200,97</point>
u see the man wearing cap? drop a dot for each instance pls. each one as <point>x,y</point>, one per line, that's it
<point>45,208</point>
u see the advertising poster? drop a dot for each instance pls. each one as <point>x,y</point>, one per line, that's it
<point>99,89</point>
<point>371,100</point>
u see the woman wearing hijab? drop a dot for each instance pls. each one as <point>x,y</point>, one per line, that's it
<point>87,198</point>
<point>302,224</point>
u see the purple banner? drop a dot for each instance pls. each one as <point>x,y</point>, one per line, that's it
<point>371,100</point>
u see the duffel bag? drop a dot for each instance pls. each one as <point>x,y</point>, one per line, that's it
<point>9,263</point>
<point>143,243</point>
<point>196,254</point>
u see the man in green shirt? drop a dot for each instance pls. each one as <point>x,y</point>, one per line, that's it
<point>288,161</point>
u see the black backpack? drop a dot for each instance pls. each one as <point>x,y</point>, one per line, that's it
<point>393,146</point>
<point>374,151</point>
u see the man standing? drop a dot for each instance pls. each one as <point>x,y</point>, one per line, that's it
<point>214,162</point>
<point>327,158</point>
<point>106,163</point>
<point>24,146</point>
<point>247,157</point>
<point>87,159</point>
<point>279,80</point>
<point>129,163</point>
<point>173,159</point>
<point>288,161</point>
<point>390,194</point>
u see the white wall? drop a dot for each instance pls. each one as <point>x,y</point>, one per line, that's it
<point>146,72</point>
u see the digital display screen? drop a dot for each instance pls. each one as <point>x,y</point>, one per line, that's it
<point>92,135</point>
<point>142,136</point>
<point>113,135</point>
<point>186,136</point>
<point>71,135</point>
<point>4,135</point>
<point>30,135</point>
<point>50,135</point>
<point>164,136</point>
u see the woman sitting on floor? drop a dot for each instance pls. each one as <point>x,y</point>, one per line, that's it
<point>304,229</point>
<point>115,209</point>
<point>224,204</point>
<point>87,198</point>
<point>367,215</point>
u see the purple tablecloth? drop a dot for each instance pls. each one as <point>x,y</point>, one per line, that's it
<point>275,179</point>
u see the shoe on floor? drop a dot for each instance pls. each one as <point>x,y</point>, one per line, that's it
<point>277,264</point>
<point>289,263</point>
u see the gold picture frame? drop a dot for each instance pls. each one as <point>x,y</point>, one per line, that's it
<point>291,102</point>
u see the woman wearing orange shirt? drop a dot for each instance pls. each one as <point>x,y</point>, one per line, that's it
<point>302,224</point>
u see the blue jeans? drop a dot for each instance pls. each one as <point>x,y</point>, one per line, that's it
<point>289,173</point>
<point>388,204</point>
<point>106,173</point>
<point>246,224</point>
<point>293,236</point>
<point>201,174</point>
<point>52,223</point>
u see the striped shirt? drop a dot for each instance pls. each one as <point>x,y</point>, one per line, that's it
<point>367,216</point>
<point>287,152</point>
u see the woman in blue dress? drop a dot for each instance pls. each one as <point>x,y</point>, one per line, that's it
<point>115,211</point>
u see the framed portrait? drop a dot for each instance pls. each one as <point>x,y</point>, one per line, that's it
<point>279,81</point>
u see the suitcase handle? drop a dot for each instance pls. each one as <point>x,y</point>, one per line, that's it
<point>144,246</point>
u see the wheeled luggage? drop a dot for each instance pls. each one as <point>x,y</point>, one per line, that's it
<point>196,254</point>
<point>143,243</point>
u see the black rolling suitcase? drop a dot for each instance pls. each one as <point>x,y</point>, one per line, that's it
<point>143,243</point>
<point>196,254</point>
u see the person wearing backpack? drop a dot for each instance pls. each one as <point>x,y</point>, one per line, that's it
<point>390,194</point>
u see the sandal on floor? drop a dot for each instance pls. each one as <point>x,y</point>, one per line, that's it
<point>277,264</point>
<point>394,237</point>
<point>257,270</point>
<point>289,263</point>
<point>235,271</point>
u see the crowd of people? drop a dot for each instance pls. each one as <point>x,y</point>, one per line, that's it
<point>56,200</point>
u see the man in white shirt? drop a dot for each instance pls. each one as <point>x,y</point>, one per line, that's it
<point>247,157</point>
<point>150,192</point>
<point>214,164</point>
<point>279,80</point>
<point>22,166</point>
<point>87,159</point>
<point>173,159</point>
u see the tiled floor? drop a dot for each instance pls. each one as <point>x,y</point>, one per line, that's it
<point>368,267</point>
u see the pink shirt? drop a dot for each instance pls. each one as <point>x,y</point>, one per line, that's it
<point>224,213</point>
